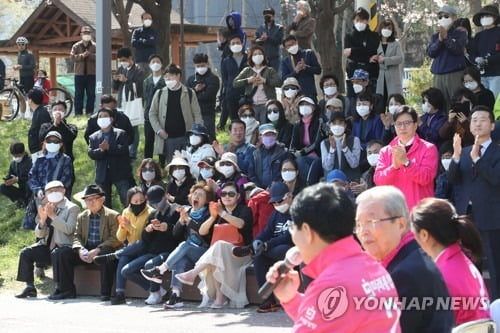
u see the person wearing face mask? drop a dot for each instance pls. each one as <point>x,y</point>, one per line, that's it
<point>361,86</point>
<point>390,59</point>
<point>198,148</point>
<point>83,54</point>
<point>484,49</point>
<point>360,49</point>
<point>276,116</point>
<point>207,169</point>
<point>40,116</point>
<point>173,111</point>
<point>233,24</point>
<point>56,223</point>
<point>444,189</point>
<point>341,150</point>
<point>301,64</point>
<point>43,82</point>
<point>18,174</point>
<point>463,100</point>
<point>247,115</point>
<point>231,66</point>
<point>108,147</point>
<point>259,80</point>
<point>128,81</point>
<point>265,167</point>
<point>372,154</point>
<point>52,165</point>
<point>206,85</point>
<point>270,35</point>
<point>181,180</point>
<point>394,102</point>
<point>303,25</point>
<point>149,174</point>
<point>152,83</point>
<point>59,124</point>
<point>472,81</point>
<point>329,84</point>
<point>367,124</point>
<point>434,117</point>
<point>290,176</point>
<point>290,95</point>
<point>229,171</point>
<point>446,48</point>
<point>144,41</point>
<point>272,243</point>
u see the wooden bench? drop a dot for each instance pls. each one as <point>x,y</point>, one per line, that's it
<point>87,282</point>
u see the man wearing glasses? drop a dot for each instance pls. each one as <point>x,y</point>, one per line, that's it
<point>383,228</point>
<point>408,162</point>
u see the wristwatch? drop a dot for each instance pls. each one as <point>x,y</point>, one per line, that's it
<point>407,163</point>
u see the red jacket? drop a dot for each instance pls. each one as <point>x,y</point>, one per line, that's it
<point>343,275</point>
<point>261,210</point>
<point>45,84</point>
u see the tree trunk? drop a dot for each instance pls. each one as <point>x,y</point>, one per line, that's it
<point>474,6</point>
<point>160,11</point>
<point>122,14</point>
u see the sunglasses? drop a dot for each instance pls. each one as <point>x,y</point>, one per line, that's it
<point>53,141</point>
<point>231,194</point>
<point>443,16</point>
<point>246,115</point>
<point>290,88</point>
<point>273,110</point>
<point>226,164</point>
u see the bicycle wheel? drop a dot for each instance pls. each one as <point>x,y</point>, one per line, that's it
<point>9,104</point>
<point>60,94</point>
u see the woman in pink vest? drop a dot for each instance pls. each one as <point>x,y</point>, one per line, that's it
<point>444,236</point>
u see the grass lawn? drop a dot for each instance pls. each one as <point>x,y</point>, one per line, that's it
<point>12,238</point>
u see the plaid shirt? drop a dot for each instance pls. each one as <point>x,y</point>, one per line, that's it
<point>43,171</point>
<point>94,234</point>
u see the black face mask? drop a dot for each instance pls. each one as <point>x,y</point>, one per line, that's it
<point>268,18</point>
<point>137,209</point>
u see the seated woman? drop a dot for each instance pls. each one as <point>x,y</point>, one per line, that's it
<point>191,249</point>
<point>462,102</point>
<point>329,84</point>
<point>149,174</point>
<point>207,168</point>
<point>290,176</point>
<point>223,277</point>
<point>341,150</point>
<point>435,115</point>
<point>181,181</point>
<point>290,99</point>
<point>444,236</point>
<point>247,115</point>
<point>276,116</point>
<point>472,81</point>
<point>229,171</point>
<point>198,148</point>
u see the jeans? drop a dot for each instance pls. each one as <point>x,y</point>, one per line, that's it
<point>209,122</point>
<point>135,143</point>
<point>492,83</point>
<point>125,255</point>
<point>131,271</point>
<point>310,169</point>
<point>185,255</point>
<point>84,85</point>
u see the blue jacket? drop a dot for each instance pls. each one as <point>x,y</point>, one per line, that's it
<point>431,124</point>
<point>488,42</point>
<point>244,153</point>
<point>448,54</point>
<point>374,129</point>
<point>276,231</point>
<point>144,41</point>
<point>305,77</point>
<point>265,166</point>
<point>273,41</point>
<point>46,170</point>
<point>229,70</point>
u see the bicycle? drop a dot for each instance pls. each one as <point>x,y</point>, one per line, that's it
<point>12,99</point>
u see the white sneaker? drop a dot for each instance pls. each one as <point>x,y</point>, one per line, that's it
<point>154,298</point>
<point>205,302</point>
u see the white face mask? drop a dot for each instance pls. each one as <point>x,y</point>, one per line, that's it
<point>299,12</point>
<point>206,173</point>
<point>86,38</point>
<point>148,175</point>
<point>360,26</point>
<point>445,22</point>
<point>258,59</point>
<point>471,85</point>
<point>147,23</point>
<point>305,110</point>
<point>55,197</point>
<point>293,49</point>
<point>337,130</point>
<point>446,163</point>
<point>170,83</point>
<point>194,140</point>
<point>56,114</point>
<point>201,70</point>
<point>124,64</point>
<point>426,108</point>
<point>282,208</point>
<point>290,93</point>
<point>273,116</point>
<point>288,176</point>
<point>104,122</point>
<point>357,88</point>
<point>372,159</point>
<point>226,170</point>
<point>155,67</point>
<point>17,159</point>
<point>179,174</point>
<point>248,120</point>
<point>363,110</point>
<point>487,20</point>
<point>329,91</point>
<point>236,48</point>
<point>386,33</point>
<point>393,108</point>
<point>53,147</point>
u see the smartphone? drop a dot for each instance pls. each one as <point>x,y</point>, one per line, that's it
<point>461,108</point>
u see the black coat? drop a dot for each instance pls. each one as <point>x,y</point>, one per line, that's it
<point>208,96</point>
<point>40,116</point>
<point>21,170</point>
<point>156,241</point>
<point>121,121</point>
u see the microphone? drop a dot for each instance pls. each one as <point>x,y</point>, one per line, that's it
<point>292,259</point>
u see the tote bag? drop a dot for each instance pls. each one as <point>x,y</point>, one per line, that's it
<point>226,232</point>
<point>133,109</point>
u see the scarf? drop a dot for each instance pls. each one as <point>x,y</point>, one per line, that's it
<point>197,215</point>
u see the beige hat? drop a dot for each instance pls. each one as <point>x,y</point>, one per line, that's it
<point>291,81</point>
<point>228,157</point>
<point>53,184</point>
<point>334,102</point>
<point>177,161</point>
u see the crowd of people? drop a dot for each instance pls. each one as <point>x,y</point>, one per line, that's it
<point>412,212</point>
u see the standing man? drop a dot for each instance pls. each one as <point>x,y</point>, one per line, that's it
<point>40,116</point>
<point>83,55</point>
<point>173,111</point>
<point>303,25</point>
<point>447,48</point>
<point>25,64</point>
<point>269,36</point>
<point>206,85</point>
<point>144,41</point>
<point>476,169</point>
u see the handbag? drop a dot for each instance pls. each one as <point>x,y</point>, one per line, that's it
<point>228,233</point>
<point>134,109</point>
